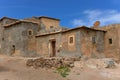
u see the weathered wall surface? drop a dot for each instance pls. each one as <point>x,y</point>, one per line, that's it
<point>18,42</point>
<point>63,48</point>
<point>4,21</point>
<point>90,47</point>
<point>44,44</point>
<point>33,19</point>
<point>16,39</point>
<point>49,22</point>
<point>82,43</point>
<point>68,49</point>
<point>112,50</point>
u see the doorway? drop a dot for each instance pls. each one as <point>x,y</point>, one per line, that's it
<point>53,48</point>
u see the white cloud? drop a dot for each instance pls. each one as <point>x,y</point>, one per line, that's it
<point>105,17</point>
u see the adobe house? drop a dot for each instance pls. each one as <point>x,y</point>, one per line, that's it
<point>43,36</point>
<point>112,40</point>
<point>71,43</point>
<point>19,38</point>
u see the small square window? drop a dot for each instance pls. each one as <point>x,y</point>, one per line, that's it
<point>71,40</point>
<point>30,32</point>
<point>110,41</point>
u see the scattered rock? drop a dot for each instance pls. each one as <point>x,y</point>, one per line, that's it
<point>79,64</point>
<point>101,63</point>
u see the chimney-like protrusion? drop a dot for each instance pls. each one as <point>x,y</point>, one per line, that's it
<point>96,24</point>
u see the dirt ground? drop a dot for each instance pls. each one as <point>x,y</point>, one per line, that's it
<point>14,68</point>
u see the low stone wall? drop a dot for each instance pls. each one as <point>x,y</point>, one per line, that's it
<point>51,62</point>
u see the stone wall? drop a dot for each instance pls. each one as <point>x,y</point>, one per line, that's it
<point>56,62</point>
<point>4,21</point>
<point>50,22</point>
<point>112,49</point>
<point>82,43</point>
<point>62,47</point>
<point>92,43</point>
<point>74,48</point>
<point>44,44</point>
<point>17,40</point>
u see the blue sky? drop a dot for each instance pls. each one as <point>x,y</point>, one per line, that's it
<point>72,13</point>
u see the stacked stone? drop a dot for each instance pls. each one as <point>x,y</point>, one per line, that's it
<point>51,62</point>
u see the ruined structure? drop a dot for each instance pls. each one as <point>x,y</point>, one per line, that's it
<point>43,36</point>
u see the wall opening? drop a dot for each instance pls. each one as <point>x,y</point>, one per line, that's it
<point>53,48</point>
<point>71,40</point>
<point>110,41</point>
<point>30,32</point>
<point>51,27</point>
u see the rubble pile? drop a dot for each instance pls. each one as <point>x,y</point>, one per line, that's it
<point>101,63</point>
<point>57,62</point>
<point>51,62</point>
<point>96,63</point>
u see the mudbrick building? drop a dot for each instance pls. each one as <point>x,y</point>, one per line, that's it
<point>43,36</point>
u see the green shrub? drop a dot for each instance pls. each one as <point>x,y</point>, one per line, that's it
<point>63,71</point>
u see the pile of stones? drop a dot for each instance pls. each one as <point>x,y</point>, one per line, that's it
<point>96,63</point>
<point>51,62</point>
